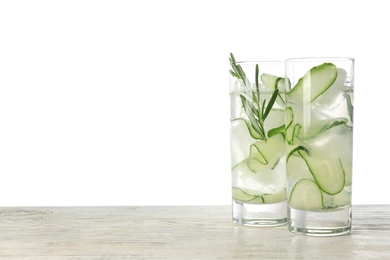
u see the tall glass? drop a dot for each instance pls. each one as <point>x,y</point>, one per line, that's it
<point>319,131</point>
<point>257,143</point>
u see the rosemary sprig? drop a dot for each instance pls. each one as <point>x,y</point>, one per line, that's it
<point>236,70</point>
<point>271,102</point>
<point>256,111</point>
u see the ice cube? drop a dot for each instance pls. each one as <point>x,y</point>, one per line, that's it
<point>334,143</point>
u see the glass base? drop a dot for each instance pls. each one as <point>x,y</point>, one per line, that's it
<point>320,223</point>
<point>265,215</point>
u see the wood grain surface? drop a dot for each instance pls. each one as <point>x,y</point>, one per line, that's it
<point>178,232</point>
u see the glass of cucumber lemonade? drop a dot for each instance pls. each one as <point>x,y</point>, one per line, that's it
<point>318,133</point>
<point>258,148</point>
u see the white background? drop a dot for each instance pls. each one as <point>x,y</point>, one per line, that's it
<point>126,102</point>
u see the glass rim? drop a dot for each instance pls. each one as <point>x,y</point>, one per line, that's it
<point>317,59</point>
<point>258,61</point>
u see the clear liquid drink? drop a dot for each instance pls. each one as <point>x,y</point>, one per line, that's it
<point>319,135</point>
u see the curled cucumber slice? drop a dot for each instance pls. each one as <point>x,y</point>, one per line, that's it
<point>317,80</point>
<point>322,126</point>
<point>328,173</point>
<point>240,195</point>
<point>275,197</point>
<point>306,195</point>
<point>268,149</point>
<point>244,122</point>
<point>244,196</point>
<point>334,201</point>
<point>292,130</point>
<point>272,81</point>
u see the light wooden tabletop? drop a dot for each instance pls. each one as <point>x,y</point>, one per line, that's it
<point>178,232</point>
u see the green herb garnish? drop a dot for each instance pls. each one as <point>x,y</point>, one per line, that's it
<point>256,111</point>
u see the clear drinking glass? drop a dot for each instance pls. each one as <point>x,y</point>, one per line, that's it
<point>319,132</point>
<point>257,143</point>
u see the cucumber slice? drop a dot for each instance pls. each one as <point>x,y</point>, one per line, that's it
<point>328,173</point>
<point>295,132</point>
<point>255,165</point>
<point>249,166</point>
<point>272,81</point>
<point>292,130</point>
<point>333,201</point>
<point>289,116</point>
<point>244,196</point>
<point>275,197</point>
<point>334,95</point>
<point>289,125</point>
<point>240,195</point>
<point>268,149</point>
<point>306,195</point>
<point>251,130</point>
<point>263,155</point>
<point>321,126</point>
<point>296,149</point>
<point>296,169</point>
<point>318,79</point>
<point>256,152</point>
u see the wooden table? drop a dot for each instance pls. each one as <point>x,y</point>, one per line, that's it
<point>178,232</point>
